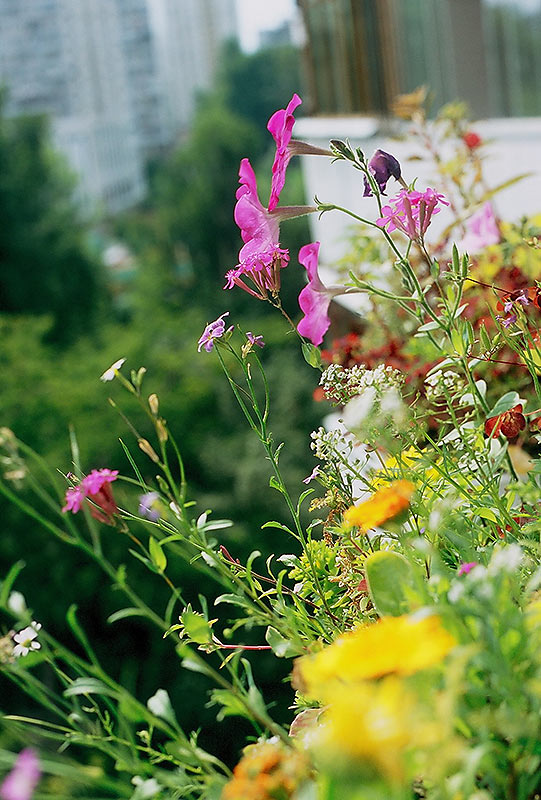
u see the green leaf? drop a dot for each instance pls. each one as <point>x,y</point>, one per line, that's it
<point>232,706</point>
<point>89,686</point>
<point>195,626</point>
<point>486,513</point>
<point>394,585</point>
<point>122,613</point>
<point>157,554</point>
<point>312,355</point>
<point>282,648</point>
<point>507,401</point>
<point>160,705</point>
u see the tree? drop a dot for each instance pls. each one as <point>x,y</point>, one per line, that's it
<point>44,263</point>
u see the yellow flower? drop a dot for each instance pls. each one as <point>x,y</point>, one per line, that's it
<point>408,459</point>
<point>384,504</point>
<point>393,645</point>
<point>377,723</point>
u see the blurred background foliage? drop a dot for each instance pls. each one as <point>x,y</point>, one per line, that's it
<point>63,322</point>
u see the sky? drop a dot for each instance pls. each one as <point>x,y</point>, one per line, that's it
<point>257,15</point>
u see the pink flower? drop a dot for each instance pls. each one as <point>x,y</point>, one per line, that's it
<point>467,567</point>
<point>95,480</point>
<point>96,487</point>
<point>411,212</point>
<point>261,258</point>
<point>259,228</point>
<point>23,778</point>
<point>262,269</point>
<point>280,125</point>
<point>74,499</point>
<point>315,298</point>
<point>481,231</point>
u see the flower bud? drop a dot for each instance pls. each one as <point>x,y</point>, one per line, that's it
<point>383,166</point>
<point>153,403</point>
<point>147,448</point>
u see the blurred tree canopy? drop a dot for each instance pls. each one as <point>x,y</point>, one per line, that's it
<point>44,263</point>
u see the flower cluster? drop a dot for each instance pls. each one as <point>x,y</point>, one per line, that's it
<point>411,212</point>
<point>341,384</point>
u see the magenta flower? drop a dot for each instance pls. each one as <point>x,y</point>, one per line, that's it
<point>383,166</point>
<point>481,231</point>
<point>23,778</point>
<point>467,567</point>
<point>261,258</point>
<point>214,330</point>
<point>411,212</point>
<point>280,125</point>
<point>96,487</point>
<point>96,479</point>
<point>74,499</point>
<point>315,298</point>
<point>262,270</point>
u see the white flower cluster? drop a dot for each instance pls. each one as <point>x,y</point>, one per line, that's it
<point>441,383</point>
<point>341,384</point>
<point>328,445</point>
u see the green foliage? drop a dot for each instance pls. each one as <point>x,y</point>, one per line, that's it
<point>45,266</point>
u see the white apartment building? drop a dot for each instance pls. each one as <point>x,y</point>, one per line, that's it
<point>62,57</point>
<point>189,35</point>
<point>118,89</point>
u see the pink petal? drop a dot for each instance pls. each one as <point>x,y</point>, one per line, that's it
<point>314,299</point>
<point>280,125</point>
<point>258,228</point>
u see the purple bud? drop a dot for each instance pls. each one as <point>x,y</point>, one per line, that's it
<point>383,166</point>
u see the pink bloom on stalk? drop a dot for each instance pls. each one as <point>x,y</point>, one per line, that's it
<point>74,499</point>
<point>96,486</point>
<point>280,125</point>
<point>23,778</point>
<point>467,567</point>
<point>261,258</point>
<point>481,231</point>
<point>411,212</point>
<point>95,480</point>
<point>258,227</point>
<point>315,298</point>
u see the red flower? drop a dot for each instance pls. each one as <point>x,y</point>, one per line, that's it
<point>472,140</point>
<point>510,423</point>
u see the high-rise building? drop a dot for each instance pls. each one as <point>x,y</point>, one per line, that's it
<point>118,88</point>
<point>189,35</point>
<point>62,57</point>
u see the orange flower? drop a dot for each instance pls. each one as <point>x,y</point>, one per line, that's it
<point>267,770</point>
<point>384,504</point>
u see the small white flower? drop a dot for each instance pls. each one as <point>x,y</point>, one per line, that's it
<point>455,592</point>
<point>26,640</point>
<point>17,603</point>
<point>110,373</point>
<point>506,559</point>
<point>359,408</point>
